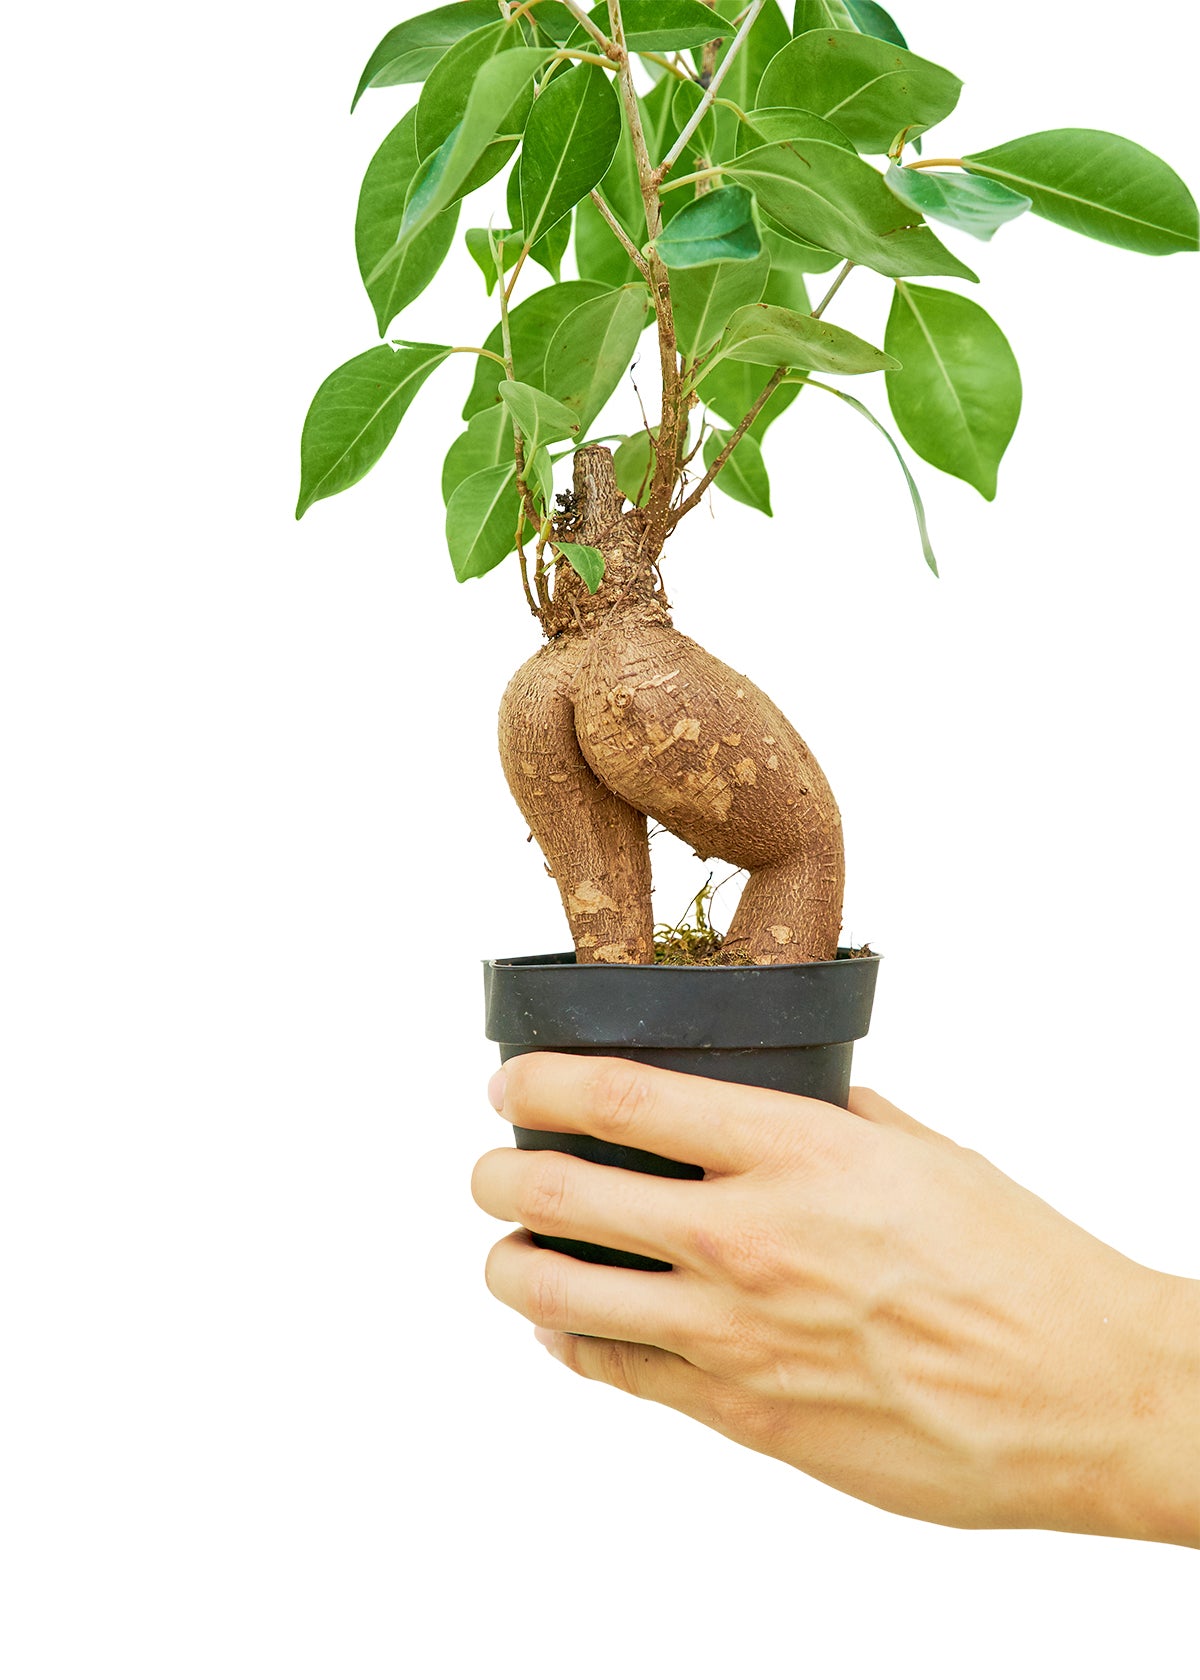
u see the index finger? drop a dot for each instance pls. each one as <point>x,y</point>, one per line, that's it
<point>721,1127</point>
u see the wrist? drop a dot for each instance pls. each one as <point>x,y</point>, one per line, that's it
<point>1154,1480</point>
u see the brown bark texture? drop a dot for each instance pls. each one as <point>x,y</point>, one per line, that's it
<point>619,718</point>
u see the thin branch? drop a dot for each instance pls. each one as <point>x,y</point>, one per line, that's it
<point>936,163</point>
<point>760,402</point>
<point>597,34</point>
<point>686,180</point>
<point>705,105</point>
<point>631,250</point>
<point>667,450</point>
<point>676,70</point>
<point>477,350</point>
<point>832,292</point>
<point>528,509</point>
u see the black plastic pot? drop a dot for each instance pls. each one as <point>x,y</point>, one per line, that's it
<point>790,1028</point>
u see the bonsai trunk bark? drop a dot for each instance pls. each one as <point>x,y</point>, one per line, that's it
<point>619,718</point>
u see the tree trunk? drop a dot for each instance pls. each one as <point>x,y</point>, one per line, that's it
<point>619,718</point>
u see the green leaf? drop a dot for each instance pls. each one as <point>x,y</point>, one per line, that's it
<point>479,244</point>
<point>784,122</point>
<point>831,198</point>
<point>740,85</point>
<point>918,504</point>
<point>447,93</point>
<point>587,561</point>
<point>633,464</point>
<point>873,20</point>
<point>790,263</point>
<point>820,14</point>
<point>704,298</point>
<point>551,248</point>
<point>409,52</point>
<point>354,416</point>
<point>717,227</point>
<point>532,324</point>
<point>487,442</point>
<point>501,91</point>
<point>377,224</point>
<point>958,394</point>
<point>598,252</point>
<point>470,154</point>
<point>570,139</point>
<point>665,25</point>
<point>970,203</point>
<point>1097,184</point>
<point>688,97</point>
<point>542,419</point>
<point>730,389</point>
<point>592,349</point>
<point>769,336</point>
<point>481,521</point>
<point>744,475</point>
<point>869,88</point>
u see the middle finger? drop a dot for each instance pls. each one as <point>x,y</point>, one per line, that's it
<point>561,1196</point>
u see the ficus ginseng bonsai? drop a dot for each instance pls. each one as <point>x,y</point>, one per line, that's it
<point>701,167</point>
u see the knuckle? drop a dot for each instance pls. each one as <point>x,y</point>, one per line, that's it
<point>747,1254</point>
<point>618,1094</point>
<point>545,1294</point>
<point>541,1201</point>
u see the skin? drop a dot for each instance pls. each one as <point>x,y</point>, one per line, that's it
<point>856,1295</point>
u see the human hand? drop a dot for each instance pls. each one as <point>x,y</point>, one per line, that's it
<point>856,1295</point>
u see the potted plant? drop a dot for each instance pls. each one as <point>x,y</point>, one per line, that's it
<point>716,180</point>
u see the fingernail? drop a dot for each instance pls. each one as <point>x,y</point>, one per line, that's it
<point>496,1090</point>
<point>549,1340</point>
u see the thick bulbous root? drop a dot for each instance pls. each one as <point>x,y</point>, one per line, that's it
<point>634,720</point>
<point>698,748</point>
<point>594,842</point>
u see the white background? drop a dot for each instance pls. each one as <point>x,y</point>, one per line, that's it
<point>261,1416</point>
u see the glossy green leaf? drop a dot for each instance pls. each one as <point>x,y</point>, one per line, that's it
<point>730,389</point>
<point>784,122</point>
<point>786,283</point>
<point>740,85</point>
<point>592,349</point>
<point>487,442</point>
<point>970,203</point>
<point>409,52</point>
<point>688,97</point>
<point>1097,184</point>
<point>501,90</point>
<point>551,248</point>
<point>820,14</point>
<point>447,93</point>
<point>599,255</point>
<point>665,25</point>
<point>868,88</point>
<point>873,20</point>
<point>587,561</point>
<point>957,395</point>
<point>570,139</point>
<point>704,298</point>
<point>744,475</point>
<point>479,244</point>
<point>542,418</point>
<point>633,464</point>
<point>717,227</point>
<point>918,504</point>
<point>481,520</point>
<point>769,336</point>
<point>355,413</point>
<point>532,324</point>
<point>831,198</point>
<point>377,225</point>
